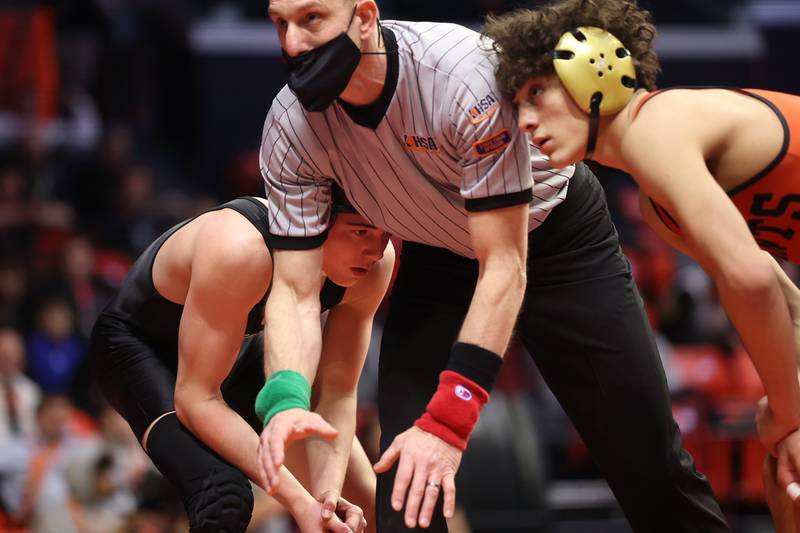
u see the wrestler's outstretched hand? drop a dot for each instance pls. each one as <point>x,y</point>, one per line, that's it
<point>780,503</point>
<point>782,469</point>
<point>285,428</point>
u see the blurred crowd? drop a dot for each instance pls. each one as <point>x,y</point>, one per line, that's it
<point>96,144</point>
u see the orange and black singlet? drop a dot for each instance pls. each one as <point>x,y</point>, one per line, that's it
<point>770,200</point>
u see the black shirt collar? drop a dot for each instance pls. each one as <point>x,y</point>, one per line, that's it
<point>370,115</point>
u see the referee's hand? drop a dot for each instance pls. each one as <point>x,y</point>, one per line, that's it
<point>282,430</point>
<point>428,465</point>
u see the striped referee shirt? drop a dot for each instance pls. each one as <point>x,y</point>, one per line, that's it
<point>438,143</point>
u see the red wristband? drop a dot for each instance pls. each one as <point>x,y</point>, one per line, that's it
<point>454,409</point>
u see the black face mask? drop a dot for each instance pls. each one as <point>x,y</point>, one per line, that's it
<point>319,76</point>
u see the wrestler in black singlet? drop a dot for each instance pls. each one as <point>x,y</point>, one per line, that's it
<point>135,339</point>
<point>134,356</point>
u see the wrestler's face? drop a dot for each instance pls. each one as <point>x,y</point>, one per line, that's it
<point>307,24</point>
<point>352,248</point>
<point>552,120</point>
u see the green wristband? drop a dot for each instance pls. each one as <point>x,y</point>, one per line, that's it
<point>285,389</point>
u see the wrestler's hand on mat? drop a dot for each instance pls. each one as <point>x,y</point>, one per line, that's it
<point>784,447</point>
<point>308,516</point>
<point>283,429</point>
<point>784,512</point>
<point>333,505</point>
<point>788,469</point>
<point>427,466</point>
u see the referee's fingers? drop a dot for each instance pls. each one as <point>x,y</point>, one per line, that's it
<point>415,494</point>
<point>432,491</point>
<point>388,458</point>
<point>449,487</point>
<point>401,481</point>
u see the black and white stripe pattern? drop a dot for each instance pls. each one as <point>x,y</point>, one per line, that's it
<point>447,144</point>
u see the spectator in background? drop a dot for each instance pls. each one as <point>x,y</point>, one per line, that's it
<point>13,290</point>
<point>55,347</point>
<point>138,219</point>
<point>692,312</point>
<point>87,291</point>
<point>91,191</point>
<point>33,487</point>
<point>19,396</point>
<point>159,508</point>
<point>16,230</point>
<point>27,214</point>
<point>108,473</point>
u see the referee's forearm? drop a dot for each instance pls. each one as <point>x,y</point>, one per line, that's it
<point>494,308</point>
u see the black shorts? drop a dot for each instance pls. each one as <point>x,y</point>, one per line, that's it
<point>138,377</point>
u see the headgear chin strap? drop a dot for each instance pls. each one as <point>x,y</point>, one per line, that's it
<point>594,124</point>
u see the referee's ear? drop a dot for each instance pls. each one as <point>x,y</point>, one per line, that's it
<point>367,14</point>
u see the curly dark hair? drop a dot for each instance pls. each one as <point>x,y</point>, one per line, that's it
<point>524,39</point>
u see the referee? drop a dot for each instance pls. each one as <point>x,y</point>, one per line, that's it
<point>407,118</point>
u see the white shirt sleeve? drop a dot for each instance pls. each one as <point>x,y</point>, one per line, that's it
<point>495,156</point>
<point>299,197</point>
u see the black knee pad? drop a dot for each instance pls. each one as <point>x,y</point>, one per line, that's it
<point>223,502</point>
<point>217,497</point>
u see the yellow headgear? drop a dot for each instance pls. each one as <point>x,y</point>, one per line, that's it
<point>589,61</point>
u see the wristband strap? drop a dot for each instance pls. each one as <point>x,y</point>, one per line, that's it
<point>454,409</point>
<point>478,364</point>
<point>285,389</point>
